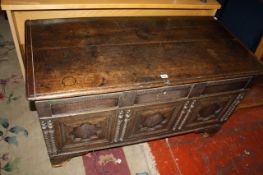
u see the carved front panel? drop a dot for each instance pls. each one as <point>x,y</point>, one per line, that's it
<point>206,111</point>
<point>85,131</point>
<point>152,121</point>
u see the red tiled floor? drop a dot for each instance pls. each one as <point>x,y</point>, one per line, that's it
<point>165,161</point>
<point>236,149</point>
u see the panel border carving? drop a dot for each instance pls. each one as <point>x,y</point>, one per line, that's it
<point>192,105</point>
<point>185,107</point>
<point>49,136</point>
<point>232,107</point>
<point>118,126</point>
<point>126,120</point>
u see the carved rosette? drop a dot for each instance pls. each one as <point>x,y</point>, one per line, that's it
<point>86,131</point>
<point>153,122</point>
<point>232,107</point>
<point>209,112</point>
<point>49,136</point>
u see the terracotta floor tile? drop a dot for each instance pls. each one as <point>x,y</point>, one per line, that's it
<point>236,149</point>
<point>164,159</point>
<point>254,97</point>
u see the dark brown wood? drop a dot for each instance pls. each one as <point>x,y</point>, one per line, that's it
<point>85,131</point>
<point>99,83</point>
<point>153,120</point>
<point>207,110</point>
<point>157,95</point>
<point>130,53</point>
<point>209,132</point>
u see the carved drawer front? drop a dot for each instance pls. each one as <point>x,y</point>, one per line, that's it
<point>208,110</point>
<point>85,131</point>
<point>166,94</point>
<point>151,121</point>
<point>77,105</point>
<point>225,85</point>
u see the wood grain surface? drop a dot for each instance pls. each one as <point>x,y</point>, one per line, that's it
<point>73,57</point>
<point>20,16</point>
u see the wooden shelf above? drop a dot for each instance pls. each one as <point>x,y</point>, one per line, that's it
<point>107,4</point>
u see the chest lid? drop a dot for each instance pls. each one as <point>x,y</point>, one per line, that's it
<point>83,56</point>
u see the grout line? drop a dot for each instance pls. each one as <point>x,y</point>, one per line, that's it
<point>173,157</point>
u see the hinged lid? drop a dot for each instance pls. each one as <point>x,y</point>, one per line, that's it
<point>73,57</point>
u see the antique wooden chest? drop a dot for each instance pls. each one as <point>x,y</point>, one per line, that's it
<point>99,83</point>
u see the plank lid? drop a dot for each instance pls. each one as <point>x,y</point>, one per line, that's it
<point>83,56</point>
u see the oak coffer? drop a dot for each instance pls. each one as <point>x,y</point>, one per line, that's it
<point>99,83</point>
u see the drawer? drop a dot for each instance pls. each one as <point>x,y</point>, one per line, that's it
<point>225,85</point>
<point>81,132</point>
<point>166,94</point>
<point>77,105</point>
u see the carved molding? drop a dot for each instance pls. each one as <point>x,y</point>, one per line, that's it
<point>49,136</point>
<point>126,120</point>
<point>181,115</point>
<point>192,105</point>
<point>232,107</point>
<point>119,122</point>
